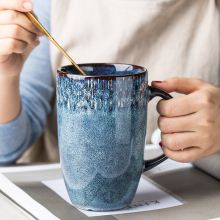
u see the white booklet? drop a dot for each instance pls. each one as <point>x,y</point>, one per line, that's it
<point>148,197</point>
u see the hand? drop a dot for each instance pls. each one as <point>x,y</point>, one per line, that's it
<point>190,124</point>
<point>18,36</point>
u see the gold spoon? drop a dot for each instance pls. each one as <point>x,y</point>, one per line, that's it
<point>34,20</point>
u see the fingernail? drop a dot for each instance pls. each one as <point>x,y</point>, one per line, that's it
<point>156,81</point>
<point>28,5</point>
<point>161,145</point>
<point>40,34</point>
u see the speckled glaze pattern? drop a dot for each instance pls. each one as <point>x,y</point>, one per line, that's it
<point>101,131</point>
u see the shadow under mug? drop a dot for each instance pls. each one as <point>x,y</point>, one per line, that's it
<point>101,132</point>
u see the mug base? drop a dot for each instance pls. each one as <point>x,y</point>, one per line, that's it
<point>100,209</point>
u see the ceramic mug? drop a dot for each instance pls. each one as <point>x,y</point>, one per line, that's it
<point>101,132</point>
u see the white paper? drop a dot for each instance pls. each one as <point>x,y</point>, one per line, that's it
<point>148,197</point>
<point>24,200</point>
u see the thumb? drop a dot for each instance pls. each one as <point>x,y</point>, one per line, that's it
<point>179,84</point>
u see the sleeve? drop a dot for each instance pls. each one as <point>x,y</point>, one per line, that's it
<point>37,89</point>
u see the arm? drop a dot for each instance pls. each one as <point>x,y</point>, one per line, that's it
<point>36,90</point>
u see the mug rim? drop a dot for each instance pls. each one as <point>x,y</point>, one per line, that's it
<point>60,72</point>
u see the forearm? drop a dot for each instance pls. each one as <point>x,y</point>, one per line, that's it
<point>10,100</point>
<point>15,137</point>
<point>27,104</point>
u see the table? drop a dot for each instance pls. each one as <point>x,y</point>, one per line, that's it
<point>201,191</point>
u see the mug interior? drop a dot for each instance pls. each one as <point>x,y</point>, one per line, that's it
<point>103,69</point>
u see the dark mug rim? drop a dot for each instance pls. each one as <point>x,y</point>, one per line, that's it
<point>60,72</point>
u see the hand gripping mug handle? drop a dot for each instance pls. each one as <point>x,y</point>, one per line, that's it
<point>149,164</point>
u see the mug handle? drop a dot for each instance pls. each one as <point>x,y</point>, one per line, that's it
<point>149,164</point>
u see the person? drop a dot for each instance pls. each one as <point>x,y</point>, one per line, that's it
<point>190,124</point>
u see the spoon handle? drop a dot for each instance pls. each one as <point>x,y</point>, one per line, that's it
<point>34,20</point>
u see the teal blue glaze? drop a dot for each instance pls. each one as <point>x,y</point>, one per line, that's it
<point>101,131</point>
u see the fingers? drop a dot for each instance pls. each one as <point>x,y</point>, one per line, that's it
<point>14,17</point>
<point>9,46</point>
<point>18,33</point>
<point>18,5</point>
<point>184,156</point>
<point>177,124</point>
<point>180,85</point>
<point>179,106</point>
<point>188,104</point>
<point>178,141</point>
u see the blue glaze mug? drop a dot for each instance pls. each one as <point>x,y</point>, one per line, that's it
<point>101,132</point>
